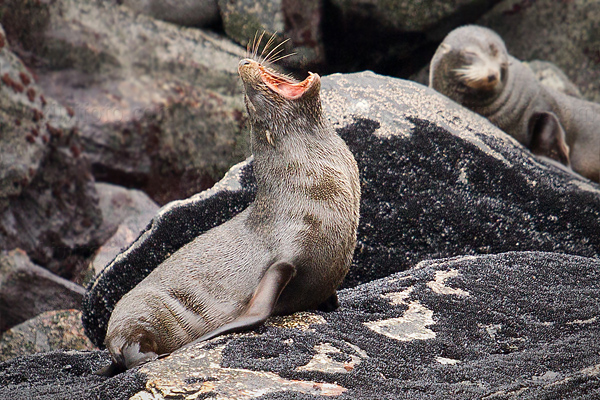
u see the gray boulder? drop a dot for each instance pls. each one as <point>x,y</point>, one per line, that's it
<point>48,204</point>
<point>437,181</point>
<point>563,32</point>
<point>126,212</point>
<point>504,326</point>
<point>51,330</point>
<point>27,290</point>
<point>160,107</point>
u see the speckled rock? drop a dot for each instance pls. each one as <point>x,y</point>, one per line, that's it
<point>65,375</point>
<point>300,22</point>
<point>126,212</point>
<point>27,290</point>
<point>437,181</point>
<point>392,37</point>
<point>566,33</point>
<point>198,13</point>
<point>160,107</point>
<point>511,325</point>
<point>47,198</point>
<point>51,330</point>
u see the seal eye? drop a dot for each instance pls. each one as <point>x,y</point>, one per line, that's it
<point>243,62</point>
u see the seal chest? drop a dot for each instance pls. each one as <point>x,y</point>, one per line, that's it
<point>288,251</point>
<point>472,67</point>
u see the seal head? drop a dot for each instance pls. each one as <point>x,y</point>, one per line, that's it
<point>470,66</point>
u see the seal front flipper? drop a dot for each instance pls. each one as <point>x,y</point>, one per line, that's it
<point>262,303</point>
<point>331,304</point>
<point>548,137</point>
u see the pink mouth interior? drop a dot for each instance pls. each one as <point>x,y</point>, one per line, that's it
<point>285,87</point>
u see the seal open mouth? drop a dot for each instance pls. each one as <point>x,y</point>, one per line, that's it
<point>284,86</point>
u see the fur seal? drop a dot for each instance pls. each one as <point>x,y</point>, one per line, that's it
<point>288,251</point>
<point>473,68</point>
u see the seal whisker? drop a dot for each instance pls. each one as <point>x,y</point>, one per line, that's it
<point>282,57</point>
<point>269,42</point>
<point>275,48</point>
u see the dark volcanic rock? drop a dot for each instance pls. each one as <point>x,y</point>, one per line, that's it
<point>512,325</point>
<point>65,375</point>
<point>437,181</point>
<point>27,290</point>
<point>196,13</point>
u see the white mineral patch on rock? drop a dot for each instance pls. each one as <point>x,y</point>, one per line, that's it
<point>411,326</point>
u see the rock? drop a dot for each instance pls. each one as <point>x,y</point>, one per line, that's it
<point>160,107</point>
<point>300,22</point>
<point>553,77</point>
<point>437,181</point>
<point>128,211</point>
<point>51,330</point>
<point>27,290</point>
<point>47,198</point>
<point>198,13</point>
<point>518,324</point>
<point>563,32</point>
<point>64,375</point>
<point>392,37</point>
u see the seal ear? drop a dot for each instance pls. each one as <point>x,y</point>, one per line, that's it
<point>548,137</point>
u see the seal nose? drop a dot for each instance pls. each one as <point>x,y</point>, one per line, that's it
<point>243,62</point>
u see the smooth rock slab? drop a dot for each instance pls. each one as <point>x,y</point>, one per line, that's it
<point>27,290</point>
<point>437,181</point>
<point>512,325</point>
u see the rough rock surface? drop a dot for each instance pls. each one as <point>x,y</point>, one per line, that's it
<point>126,212</point>
<point>300,22</point>
<point>65,375</point>
<point>47,198</point>
<point>437,181</point>
<point>512,325</point>
<point>51,330</point>
<point>566,33</point>
<point>27,290</point>
<point>160,107</point>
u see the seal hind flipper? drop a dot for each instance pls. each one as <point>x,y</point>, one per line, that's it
<point>548,137</point>
<point>262,303</point>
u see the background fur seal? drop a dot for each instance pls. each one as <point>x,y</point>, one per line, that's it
<point>288,251</point>
<point>473,67</point>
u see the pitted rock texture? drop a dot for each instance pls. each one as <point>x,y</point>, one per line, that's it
<point>437,181</point>
<point>65,375</point>
<point>504,326</point>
